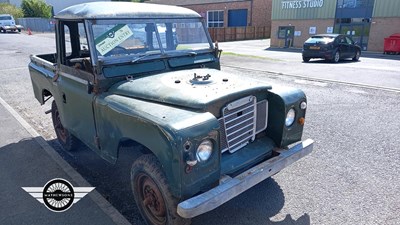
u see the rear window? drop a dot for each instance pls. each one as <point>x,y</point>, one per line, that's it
<point>5,18</point>
<point>320,39</point>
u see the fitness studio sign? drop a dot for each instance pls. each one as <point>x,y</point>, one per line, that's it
<point>304,4</point>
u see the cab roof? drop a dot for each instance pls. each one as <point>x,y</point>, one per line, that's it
<point>126,10</point>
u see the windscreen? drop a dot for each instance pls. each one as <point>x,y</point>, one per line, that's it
<point>320,39</point>
<point>136,39</point>
<point>5,18</point>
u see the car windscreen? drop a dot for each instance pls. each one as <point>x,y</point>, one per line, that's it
<point>320,39</point>
<point>146,39</point>
<point>5,18</point>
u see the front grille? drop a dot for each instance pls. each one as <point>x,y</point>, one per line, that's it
<point>240,122</point>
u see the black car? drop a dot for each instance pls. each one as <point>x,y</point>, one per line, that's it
<point>331,47</point>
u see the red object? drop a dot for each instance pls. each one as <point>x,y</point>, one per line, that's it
<point>392,44</point>
<point>29,31</point>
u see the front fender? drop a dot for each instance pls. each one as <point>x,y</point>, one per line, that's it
<point>160,128</point>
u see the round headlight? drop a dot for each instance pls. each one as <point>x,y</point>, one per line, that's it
<point>204,150</point>
<point>303,105</point>
<point>290,116</point>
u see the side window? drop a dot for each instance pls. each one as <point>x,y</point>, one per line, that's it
<point>67,39</point>
<point>76,53</point>
<point>349,41</point>
<point>84,47</point>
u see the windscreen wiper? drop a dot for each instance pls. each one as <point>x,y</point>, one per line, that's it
<point>144,56</point>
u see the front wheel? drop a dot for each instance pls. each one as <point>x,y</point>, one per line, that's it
<point>66,139</point>
<point>336,57</point>
<point>357,56</point>
<point>306,59</point>
<point>152,193</point>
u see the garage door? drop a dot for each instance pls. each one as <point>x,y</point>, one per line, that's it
<point>237,18</point>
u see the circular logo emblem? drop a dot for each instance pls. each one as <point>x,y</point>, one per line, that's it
<point>111,34</point>
<point>58,195</point>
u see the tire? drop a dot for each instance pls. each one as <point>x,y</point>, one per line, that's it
<point>65,138</point>
<point>357,56</point>
<point>19,30</point>
<point>152,193</point>
<point>306,59</point>
<point>336,57</point>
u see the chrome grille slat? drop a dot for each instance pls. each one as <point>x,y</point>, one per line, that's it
<point>241,116</point>
<point>248,128</point>
<point>249,107</point>
<point>236,138</point>
<point>238,124</point>
<point>241,121</point>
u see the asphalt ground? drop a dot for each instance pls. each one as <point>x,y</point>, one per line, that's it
<point>350,178</point>
<point>28,161</point>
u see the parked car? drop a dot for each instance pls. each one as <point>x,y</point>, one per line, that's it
<point>332,47</point>
<point>204,135</point>
<point>7,23</point>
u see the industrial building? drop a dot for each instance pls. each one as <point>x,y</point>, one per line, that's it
<point>367,21</point>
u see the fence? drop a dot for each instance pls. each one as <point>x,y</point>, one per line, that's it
<point>239,33</point>
<point>37,24</point>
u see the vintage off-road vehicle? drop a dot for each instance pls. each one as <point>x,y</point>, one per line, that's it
<point>149,76</point>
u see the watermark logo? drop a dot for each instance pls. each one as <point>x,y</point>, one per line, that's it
<point>58,195</point>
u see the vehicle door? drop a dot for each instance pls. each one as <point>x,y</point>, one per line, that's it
<point>352,47</point>
<point>343,47</point>
<point>74,79</point>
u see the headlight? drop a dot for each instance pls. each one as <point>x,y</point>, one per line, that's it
<point>204,150</point>
<point>303,105</point>
<point>290,116</point>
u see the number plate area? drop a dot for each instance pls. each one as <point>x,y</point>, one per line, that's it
<point>315,47</point>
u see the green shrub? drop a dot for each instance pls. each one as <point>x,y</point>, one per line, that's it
<point>36,8</point>
<point>6,8</point>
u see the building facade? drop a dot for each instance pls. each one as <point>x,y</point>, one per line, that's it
<point>228,13</point>
<point>367,21</point>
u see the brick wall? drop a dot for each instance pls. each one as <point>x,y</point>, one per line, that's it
<point>299,25</point>
<point>202,9</point>
<point>380,29</point>
<point>258,11</point>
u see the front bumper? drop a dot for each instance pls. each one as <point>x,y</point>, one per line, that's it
<point>12,27</point>
<point>231,187</point>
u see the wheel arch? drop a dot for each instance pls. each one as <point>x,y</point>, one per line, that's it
<point>117,128</point>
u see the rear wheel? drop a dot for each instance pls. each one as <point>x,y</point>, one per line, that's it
<point>357,56</point>
<point>306,59</point>
<point>336,57</point>
<point>152,193</point>
<point>66,139</point>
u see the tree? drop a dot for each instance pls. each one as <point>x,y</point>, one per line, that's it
<point>6,8</point>
<point>36,8</point>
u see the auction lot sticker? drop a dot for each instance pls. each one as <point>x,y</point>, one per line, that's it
<point>112,38</point>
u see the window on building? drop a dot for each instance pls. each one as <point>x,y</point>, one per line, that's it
<point>215,18</point>
<point>354,3</point>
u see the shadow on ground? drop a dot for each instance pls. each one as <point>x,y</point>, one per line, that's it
<point>254,206</point>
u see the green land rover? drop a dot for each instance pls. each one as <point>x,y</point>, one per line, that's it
<point>148,76</point>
